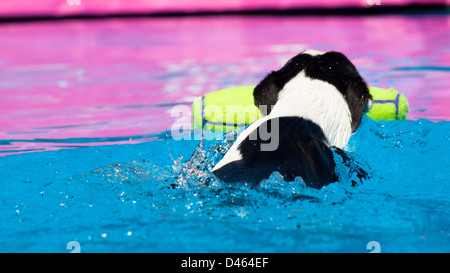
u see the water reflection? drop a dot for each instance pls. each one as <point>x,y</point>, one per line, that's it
<point>78,83</point>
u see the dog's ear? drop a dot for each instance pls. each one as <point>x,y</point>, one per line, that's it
<point>346,78</point>
<point>353,87</point>
<point>265,93</point>
<point>357,96</point>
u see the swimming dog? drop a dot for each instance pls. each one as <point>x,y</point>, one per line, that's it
<point>310,106</point>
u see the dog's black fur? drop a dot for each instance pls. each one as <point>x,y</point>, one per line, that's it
<point>332,67</point>
<point>303,148</point>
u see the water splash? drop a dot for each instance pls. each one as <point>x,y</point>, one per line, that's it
<point>196,173</point>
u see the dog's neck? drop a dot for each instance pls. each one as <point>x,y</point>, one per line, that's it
<point>319,102</point>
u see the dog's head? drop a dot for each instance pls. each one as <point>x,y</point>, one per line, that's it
<point>331,67</point>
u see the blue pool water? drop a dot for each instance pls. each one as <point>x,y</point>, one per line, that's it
<point>71,90</point>
<point>126,202</point>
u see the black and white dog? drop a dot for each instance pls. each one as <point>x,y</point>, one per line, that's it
<point>314,103</point>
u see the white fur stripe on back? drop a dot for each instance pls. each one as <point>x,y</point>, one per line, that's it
<point>319,102</point>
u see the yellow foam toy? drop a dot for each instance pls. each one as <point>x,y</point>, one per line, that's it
<point>231,108</point>
<point>388,104</point>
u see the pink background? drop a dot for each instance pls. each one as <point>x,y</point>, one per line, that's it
<point>25,8</point>
<point>74,83</point>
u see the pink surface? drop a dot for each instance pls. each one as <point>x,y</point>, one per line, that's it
<point>14,8</point>
<point>77,83</point>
